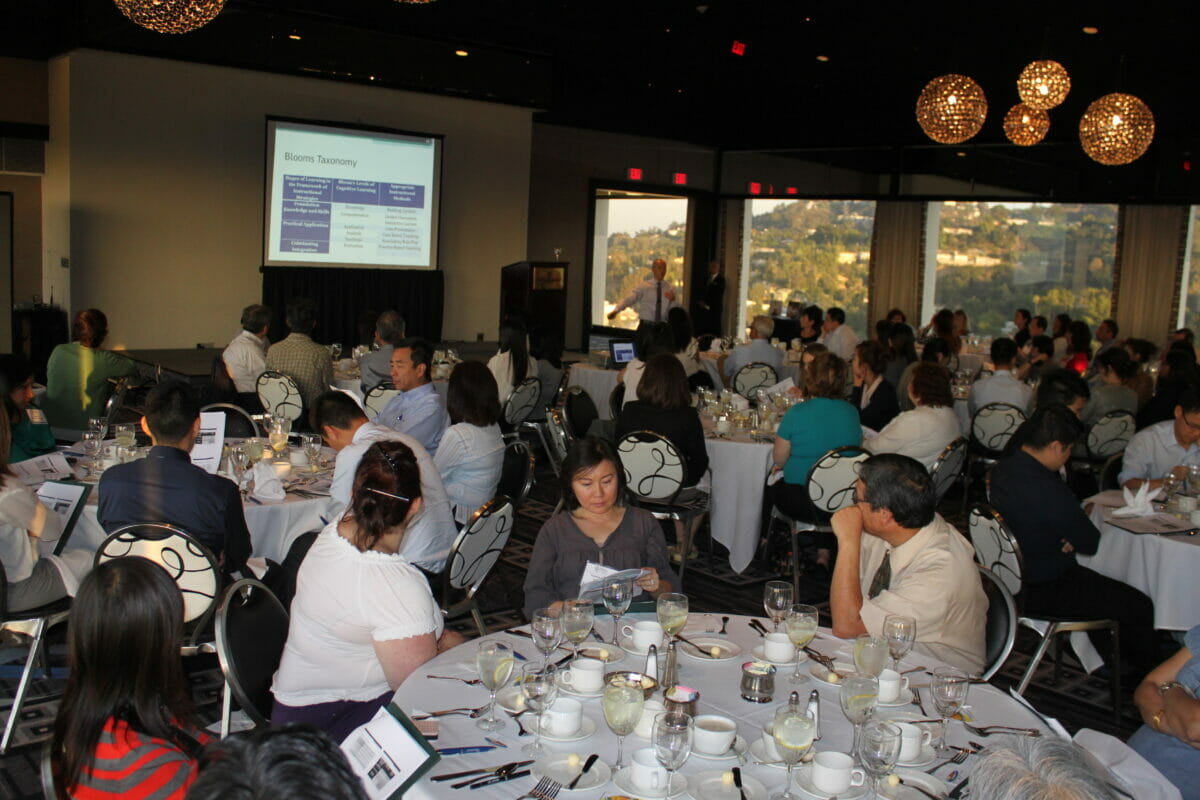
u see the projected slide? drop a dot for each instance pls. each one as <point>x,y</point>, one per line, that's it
<point>345,197</point>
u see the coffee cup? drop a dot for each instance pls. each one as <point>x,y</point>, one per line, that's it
<point>298,457</point>
<point>834,773</point>
<point>891,685</point>
<point>564,717</point>
<point>724,425</point>
<point>912,741</point>
<point>647,774</point>
<point>713,734</point>
<point>585,675</point>
<point>1185,503</point>
<point>770,751</point>
<point>643,634</point>
<point>645,726</point>
<point>778,647</point>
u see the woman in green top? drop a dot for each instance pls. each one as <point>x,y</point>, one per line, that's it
<point>79,376</point>
<point>31,434</point>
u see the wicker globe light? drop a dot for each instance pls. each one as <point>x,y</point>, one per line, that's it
<point>1043,84</point>
<point>1116,129</point>
<point>951,109</point>
<point>1026,126</point>
<point>171,16</point>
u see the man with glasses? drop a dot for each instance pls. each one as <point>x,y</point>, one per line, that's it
<point>896,555</point>
<point>1164,448</point>
<point>418,410</point>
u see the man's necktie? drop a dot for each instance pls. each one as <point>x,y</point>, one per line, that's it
<point>883,577</point>
<point>658,302</point>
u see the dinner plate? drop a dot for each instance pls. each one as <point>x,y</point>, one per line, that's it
<point>711,785</point>
<point>728,649</point>
<point>739,747</point>
<point>819,672</point>
<point>758,653</point>
<point>896,715</point>
<point>903,699</point>
<point>558,768</point>
<point>917,778</point>
<point>587,727</point>
<point>510,699</point>
<point>803,775</point>
<point>624,782</point>
<point>602,652</point>
<point>923,759</point>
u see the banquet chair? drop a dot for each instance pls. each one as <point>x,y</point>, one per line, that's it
<point>755,375</point>
<point>116,400</point>
<point>997,549</point>
<point>251,630</point>
<point>1000,631</point>
<point>616,400</point>
<point>46,771</point>
<point>654,476</point>
<point>1107,437</point>
<point>376,399</point>
<point>472,557</point>
<point>520,403</point>
<point>41,619</point>
<point>280,395</point>
<point>948,467</point>
<point>1110,473</point>
<point>579,412</point>
<point>991,428</point>
<point>238,423</point>
<point>516,476</point>
<point>558,439</point>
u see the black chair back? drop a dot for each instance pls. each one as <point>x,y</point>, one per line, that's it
<point>616,399</point>
<point>580,411</point>
<point>238,423</point>
<point>252,628</point>
<point>516,476</point>
<point>1001,626</point>
<point>700,380</point>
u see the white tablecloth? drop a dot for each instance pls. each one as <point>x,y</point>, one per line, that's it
<point>739,473</point>
<point>598,383</point>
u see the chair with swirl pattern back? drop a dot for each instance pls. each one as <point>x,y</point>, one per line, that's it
<point>991,428</point>
<point>948,467</point>
<point>280,395</point>
<point>377,399</point>
<point>520,404</point>
<point>755,375</point>
<point>472,557</point>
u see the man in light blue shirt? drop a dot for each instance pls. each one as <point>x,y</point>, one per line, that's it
<point>759,349</point>
<point>1002,386</point>
<point>1167,447</point>
<point>418,410</point>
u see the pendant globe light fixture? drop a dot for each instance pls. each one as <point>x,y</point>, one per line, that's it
<point>1043,84</point>
<point>1116,129</point>
<point>171,16</point>
<point>1026,126</point>
<point>951,109</point>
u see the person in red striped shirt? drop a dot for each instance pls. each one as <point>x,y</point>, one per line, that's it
<point>123,728</point>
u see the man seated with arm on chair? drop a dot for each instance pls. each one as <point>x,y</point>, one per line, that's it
<point>346,429</point>
<point>758,349</point>
<point>376,366</point>
<point>298,356</point>
<point>246,356</point>
<point>418,410</point>
<point>896,555</point>
<point>1167,447</point>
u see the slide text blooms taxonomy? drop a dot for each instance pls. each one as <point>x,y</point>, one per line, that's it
<point>310,159</point>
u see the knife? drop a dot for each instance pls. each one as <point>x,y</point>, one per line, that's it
<point>462,751</point>
<point>515,632</point>
<point>481,771</point>
<point>500,779</point>
<point>586,766</point>
<point>737,781</point>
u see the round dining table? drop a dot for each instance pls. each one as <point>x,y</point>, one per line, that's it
<point>718,684</point>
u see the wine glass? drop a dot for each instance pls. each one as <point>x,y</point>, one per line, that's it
<point>547,633</point>
<point>254,449</point>
<point>801,626</point>
<point>539,687</point>
<point>793,731</point>
<point>312,449</point>
<point>900,632</point>
<point>617,595</point>
<point>949,687</point>
<point>870,654</point>
<point>278,430</point>
<point>239,461</point>
<point>672,611</point>
<point>126,434</point>
<point>878,750</point>
<point>777,597</point>
<point>859,694</point>
<point>92,442</point>
<point>622,705</point>
<point>494,661</point>
<point>575,620</point>
<point>673,734</point>
<point>98,424</point>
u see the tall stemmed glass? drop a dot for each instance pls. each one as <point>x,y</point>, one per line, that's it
<point>277,432</point>
<point>547,633</point>
<point>859,694</point>
<point>617,595</point>
<point>494,662</point>
<point>575,620</point>
<point>93,441</point>
<point>312,449</point>
<point>878,750</point>
<point>870,654</point>
<point>777,598</point>
<point>539,686</point>
<point>793,731</point>
<point>673,733</point>
<point>949,687</point>
<point>99,425</point>
<point>672,609</point>
<point>801,626</point>
<point>622,704</point>
<point>900,632</point>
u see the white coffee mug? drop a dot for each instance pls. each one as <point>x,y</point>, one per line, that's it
<point>298,457</point>
<point>645,726</point>
<point>891,685</point>
<point>778,647</point>
<point>648,775</point>
<point>564,717</point>
<point>643,634</point>
<point>713,734</point>
<point>912,740</point>
<point>585,675</point>
<point>770,751</point>
<point>834,773</point>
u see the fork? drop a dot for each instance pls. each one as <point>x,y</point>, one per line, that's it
<point>473,713</point>
<point>467,681</point>
<point>957,758</point>
<point>545,789</point>
<point>988,730</point>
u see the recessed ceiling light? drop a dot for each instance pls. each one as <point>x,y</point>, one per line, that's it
<point>461,53</point>
<point>961,154</point>
<point>1091,29</point>
<point>822,58</point>
<point>295,37</point>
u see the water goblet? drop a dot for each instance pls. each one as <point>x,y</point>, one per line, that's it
<point>949,686</point>
<point>278,429</point>
<point>900,632</point>
<point>617,595</point>
<point>878,750</point>
<point>672,609</point>
<point>870,654</point>
<point>859,695</point>
<point>801,626</point>
<point>312,449</point>
<point>576,619</point>
<point>777,598</point>
<point>547,633</point>
<point>539,687</point>
<point>494,661</point>
<point>98,424</point>
<point>92,442</point>
<point>793,731</point>
<point>673,734</point>
<point>622,704</point>
<point>126,434</point>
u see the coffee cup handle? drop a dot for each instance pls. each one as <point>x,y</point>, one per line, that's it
<point>926,738</point>
<point>903,683</point>
<point>627,631</point>
<point>857,777</point>
<point>566,677</point>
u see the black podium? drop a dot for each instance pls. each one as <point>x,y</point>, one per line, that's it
<point>537,292</point>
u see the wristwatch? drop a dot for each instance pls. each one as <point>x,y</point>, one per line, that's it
<point>1163,688</point>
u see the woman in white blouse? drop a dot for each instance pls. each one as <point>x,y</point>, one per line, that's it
<point>512,364</point>
<point>471,454</point>
<point>363,618</point>
<point>924,432</point>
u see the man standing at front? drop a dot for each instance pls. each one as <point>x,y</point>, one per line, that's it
<point>653,299</point>
<point>897,556</point>
<point>298,356</point>
<point>418,410</point>
<point>837,335</point>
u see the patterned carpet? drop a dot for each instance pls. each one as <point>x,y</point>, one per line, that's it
<point>1076,699</point>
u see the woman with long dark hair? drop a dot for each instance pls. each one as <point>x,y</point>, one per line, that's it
<point>124,728</point>
<point>512,364</point>
<point>471,453</point>
<point>31,433</point>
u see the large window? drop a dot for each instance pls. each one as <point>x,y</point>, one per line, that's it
<point>1189,304</point>
<point>993,258</point>
<point>811,251</point>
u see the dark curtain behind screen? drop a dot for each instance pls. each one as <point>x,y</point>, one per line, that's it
<point>343,294</point>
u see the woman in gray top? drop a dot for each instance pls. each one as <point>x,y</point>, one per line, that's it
<point>595,526</point>
<point>1116,369</point>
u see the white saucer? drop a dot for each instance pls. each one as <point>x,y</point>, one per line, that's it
<point>728,649</point>
<point>629,647</point>
<point>757,652</point>
<point>804,781</point>
<point>710,785</point>
<point>612,653</point>
<point>557,767</point>
<point>739,747</point>
<point>624,782</point>
<point>586,728</point>
<point>510,699</point>
<point>905,698</point>
<point>563,686</point>
<point>819,672</point>
<point>759,754</point>
<point>924,758</point>
<point>916,778</point>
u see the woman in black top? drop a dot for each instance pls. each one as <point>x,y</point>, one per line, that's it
<point>880,405</point>
<point>664,406</point>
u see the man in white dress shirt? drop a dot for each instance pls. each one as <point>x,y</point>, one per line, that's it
<point>1170,446</point>
<point>653,299</point>
<point>758,349</point>
<point>837,335</point>
<point>1002,386</point>
<point>347,430</point>
<point>246,355</point>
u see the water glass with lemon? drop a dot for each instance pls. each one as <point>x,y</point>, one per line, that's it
<point>801,626</point>
<point>494,661</point>
<point>793,731</point>
<point>575,619</point>
<point>622,704</point>
<point>870,654</point>
<point>672,611</point>
<point>859,695</point>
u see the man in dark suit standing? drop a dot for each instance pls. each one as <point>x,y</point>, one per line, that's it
<point>712,303</point>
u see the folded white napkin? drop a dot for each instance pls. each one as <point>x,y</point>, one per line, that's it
<point>781,387</point>
<point>1139,777</point>
<point>267,486</point>
<point>1136,505</point>
<point>1054,724</point>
